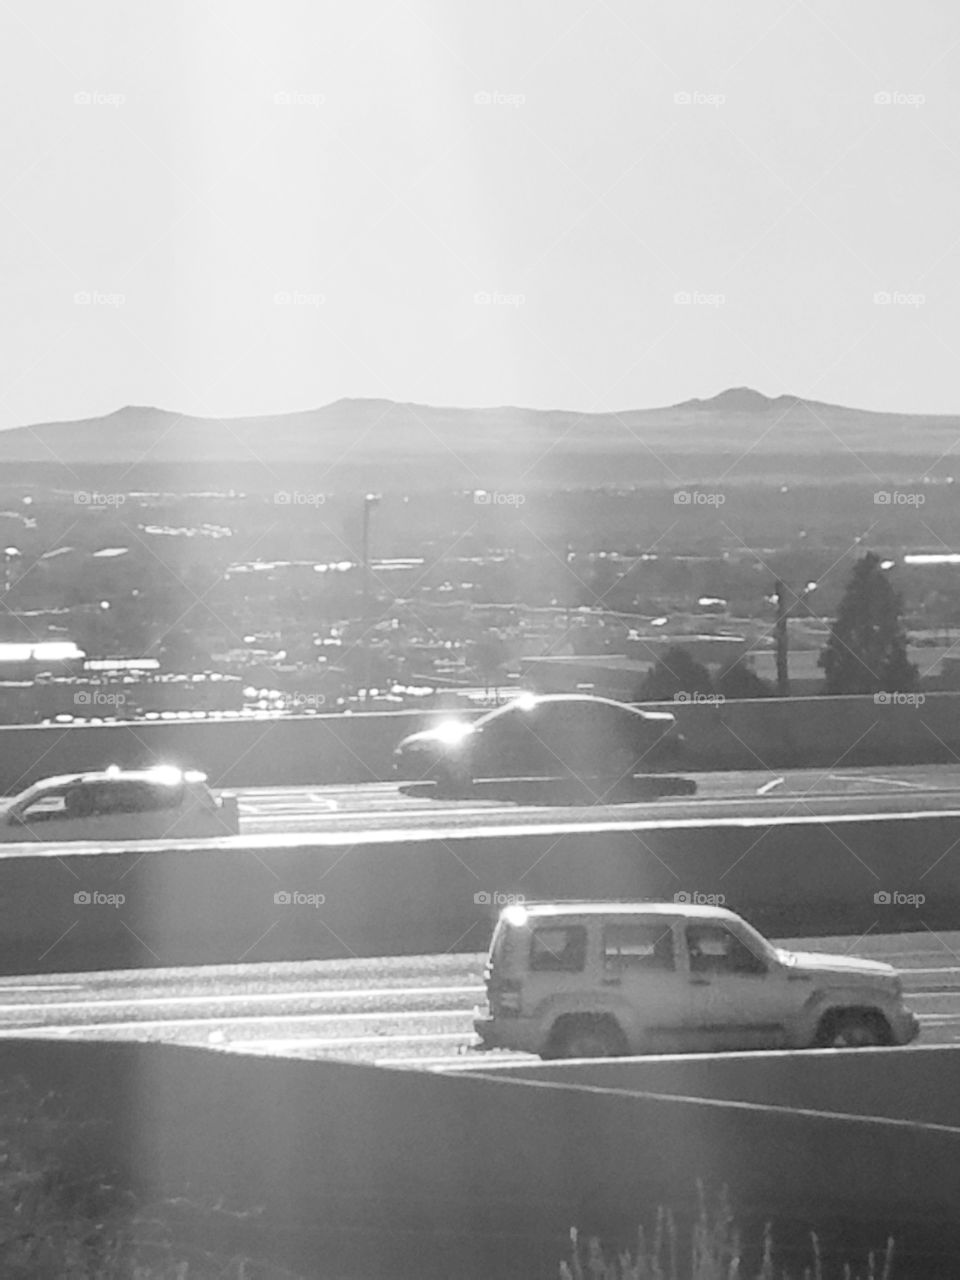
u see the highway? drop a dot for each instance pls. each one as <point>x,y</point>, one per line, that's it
<point>385,806</point>
<point>411,1011</point>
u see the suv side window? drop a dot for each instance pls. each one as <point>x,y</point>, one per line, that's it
<point>558,948</point>
<point>638,945</point>
<point>713,948</point>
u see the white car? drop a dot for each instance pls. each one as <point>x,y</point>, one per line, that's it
<point>580,980</point>
<point>119,804</point>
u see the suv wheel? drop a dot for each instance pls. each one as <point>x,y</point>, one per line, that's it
<point>853,1029</point>
<point>585,1037</point>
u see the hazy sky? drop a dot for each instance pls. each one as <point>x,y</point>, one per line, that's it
<point>245,207</point>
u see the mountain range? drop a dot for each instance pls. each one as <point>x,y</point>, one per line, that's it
<point>739,433</point>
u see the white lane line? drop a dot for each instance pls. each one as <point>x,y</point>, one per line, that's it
<point>460,1036</point>
<point>886,782</point>
<point>769,786</point>
<point>383,1015</point>
<point>369,993</point>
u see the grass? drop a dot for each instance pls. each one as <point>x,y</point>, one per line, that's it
<point>58,1225</point>
<point>714,1252</point>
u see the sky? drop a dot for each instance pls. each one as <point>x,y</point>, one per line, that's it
<point>233,208</point>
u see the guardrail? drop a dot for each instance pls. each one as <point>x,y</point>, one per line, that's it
<point>368,1171</point>
<point>325,897</point>
<point>767,733</point>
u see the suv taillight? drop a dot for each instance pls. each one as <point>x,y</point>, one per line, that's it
<point>505,996</point>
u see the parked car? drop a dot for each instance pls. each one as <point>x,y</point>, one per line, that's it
<point>583,980</point>
<point>119,804</point>
<point>570,736</point>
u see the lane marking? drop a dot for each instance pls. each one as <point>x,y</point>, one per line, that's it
<point>240,997</point>
<point>11,1029</point>
<point>768,786</point>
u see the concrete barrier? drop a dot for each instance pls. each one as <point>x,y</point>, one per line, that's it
<point>765,733</point>
<point>371,1172</point>
<point>244,899</point>
<point>921,1084</point>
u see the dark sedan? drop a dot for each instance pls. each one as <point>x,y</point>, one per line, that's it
<point>565,736</point>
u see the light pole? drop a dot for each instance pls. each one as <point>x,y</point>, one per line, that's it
<point>369,502</point>
<point>781,636</point>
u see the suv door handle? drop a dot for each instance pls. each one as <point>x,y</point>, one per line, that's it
<point>700,982</point>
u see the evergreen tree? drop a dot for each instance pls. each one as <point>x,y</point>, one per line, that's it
<point>867,649</point>
<point>676,672</point>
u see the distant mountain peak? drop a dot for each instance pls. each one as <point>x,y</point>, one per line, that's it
<point>742,400</point>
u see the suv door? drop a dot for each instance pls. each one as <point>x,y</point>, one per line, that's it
<point>639,967</point>
<point>739,999</point>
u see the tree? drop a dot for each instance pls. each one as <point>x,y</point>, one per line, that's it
<point>739,680</point>
<point>676,672</point>
<point>867,649</point>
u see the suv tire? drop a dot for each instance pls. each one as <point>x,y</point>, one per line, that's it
<point>585,1036</point>
<point>853,1029</point>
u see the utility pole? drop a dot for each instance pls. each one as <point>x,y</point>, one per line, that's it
<point>782,640</point>
<point>369,502</point>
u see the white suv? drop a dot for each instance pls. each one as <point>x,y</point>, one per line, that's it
<point>579,980</point>
<point>119,804</point>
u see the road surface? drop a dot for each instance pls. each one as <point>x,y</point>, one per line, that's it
<point>412,1011</point>
<point>383,806</point>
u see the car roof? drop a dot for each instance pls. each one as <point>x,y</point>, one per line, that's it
<point>592,908</point>
<point>95,776</point>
